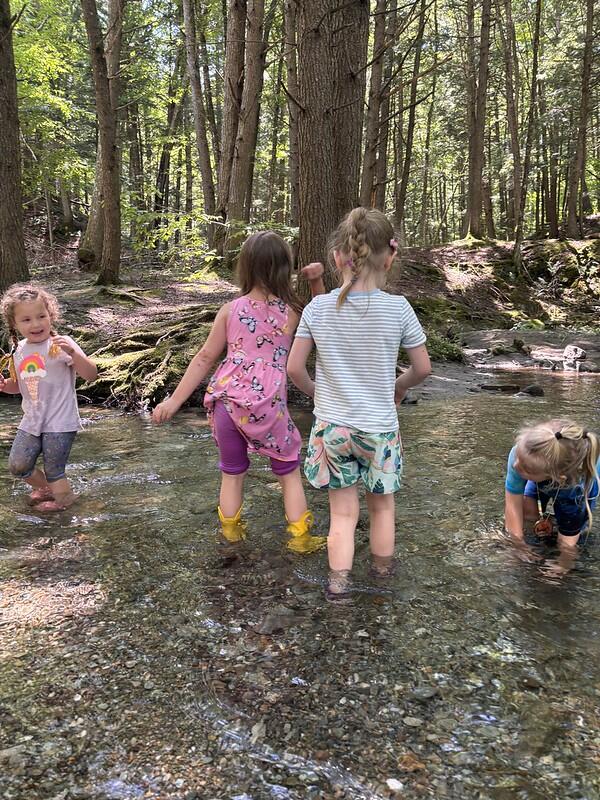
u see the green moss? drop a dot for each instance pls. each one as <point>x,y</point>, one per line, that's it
<point>441,348</point>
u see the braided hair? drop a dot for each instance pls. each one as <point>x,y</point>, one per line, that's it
<point>363,238</point>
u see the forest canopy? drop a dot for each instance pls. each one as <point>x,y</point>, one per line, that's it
<point>177,126</point>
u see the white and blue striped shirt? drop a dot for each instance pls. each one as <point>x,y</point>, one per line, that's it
<point>357,350</point>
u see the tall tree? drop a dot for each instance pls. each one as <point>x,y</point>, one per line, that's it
<point>232,101</point>
<point>531,116</point>
<point>369,169</point>
<point>243,151</point>
<point>291,66</point>
<point>332,52</point>
<point>199,112</point>
<point>576,168</point>
<point>477,133</point>
<point>511,66</point>
<point>13,263</point>
<point>105,69</point>
<point>402,191</point>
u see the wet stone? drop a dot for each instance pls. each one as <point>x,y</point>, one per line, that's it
<point>423,694</point>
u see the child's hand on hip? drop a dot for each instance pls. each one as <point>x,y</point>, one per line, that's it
<point>165,411</point>
<point>313,271</point>
<point>399,394</point>
<point>64,344</point>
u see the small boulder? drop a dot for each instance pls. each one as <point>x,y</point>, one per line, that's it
<point>573,356</point>
<point>534,390</point>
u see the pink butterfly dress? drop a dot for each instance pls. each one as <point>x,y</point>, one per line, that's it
<point>251,381</point>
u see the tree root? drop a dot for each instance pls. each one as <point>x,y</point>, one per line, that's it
<point>141,368</point>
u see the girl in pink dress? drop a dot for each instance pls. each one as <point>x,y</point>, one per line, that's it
<point>246,399</point>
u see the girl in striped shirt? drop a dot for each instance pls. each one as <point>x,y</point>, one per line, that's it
<point>357,331</point>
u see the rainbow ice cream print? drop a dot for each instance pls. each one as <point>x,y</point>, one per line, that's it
<point>33,368</point>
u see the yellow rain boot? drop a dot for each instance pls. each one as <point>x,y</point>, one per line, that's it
<point>233,528</point>
<point>302,541</point>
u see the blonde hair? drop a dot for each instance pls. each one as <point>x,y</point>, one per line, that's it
<point>27,293</point>
<point>364,238</point>
<point>564,450</point>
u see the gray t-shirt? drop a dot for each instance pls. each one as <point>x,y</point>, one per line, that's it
<point>357,349</point>
<point>46,378</point>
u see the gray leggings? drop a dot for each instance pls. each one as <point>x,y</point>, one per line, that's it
<point>26,449</point>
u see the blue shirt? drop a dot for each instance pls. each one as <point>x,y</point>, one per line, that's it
<point>515,483</point>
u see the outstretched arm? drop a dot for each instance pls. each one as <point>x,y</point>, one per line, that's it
<point>296,365</point>
<point>197,370</point>
<point>420,368</point>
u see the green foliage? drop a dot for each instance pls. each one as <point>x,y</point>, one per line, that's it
<point>443,349</point>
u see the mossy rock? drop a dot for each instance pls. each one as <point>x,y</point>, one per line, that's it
<point>441,348</point>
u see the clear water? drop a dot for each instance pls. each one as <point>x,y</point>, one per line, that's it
<point>140,659</point>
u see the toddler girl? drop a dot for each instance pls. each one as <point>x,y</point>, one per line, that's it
<point>357,331</point>
<point>556,460</point>
<point>43,368</point>
<point>247,396</point>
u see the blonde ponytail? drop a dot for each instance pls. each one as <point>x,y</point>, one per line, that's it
<point>565,451</point>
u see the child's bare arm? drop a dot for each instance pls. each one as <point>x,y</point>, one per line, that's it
<point>420,368</point>
<point>296,366</point>
<point>513,514</point>
<point>197,370</point>
<point>83,365</point>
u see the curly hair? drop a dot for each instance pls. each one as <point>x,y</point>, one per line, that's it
<point>26,293</point>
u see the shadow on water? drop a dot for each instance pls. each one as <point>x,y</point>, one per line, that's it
<point>138,658</point>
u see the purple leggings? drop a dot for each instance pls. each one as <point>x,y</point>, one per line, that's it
<point>233,448</point>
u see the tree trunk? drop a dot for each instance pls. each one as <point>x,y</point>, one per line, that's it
<point>89,252</point>
<point>67,222</point>
<point>384,128</point>
<point>549,157</point>
<point>350,45</point>
<point>199,113</point>
<point>519,234</point>
<point>136,164</point>
<point>427,158</point>
<point>410,129</point>
<point>245,140</point>
<point>105,73</point>
<point>189,181</point>
<point>476,142</point>
<point>272,197</point>
<point>13,262</point>
<point>512,102</point>
<point>208,94</point>
<point>291,65</point>
<point>577,166</point>
<point>233,86</point>
<point>332,43</point>
<point>369,169</point>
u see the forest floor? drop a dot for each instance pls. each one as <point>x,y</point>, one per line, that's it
<point>478,317</point>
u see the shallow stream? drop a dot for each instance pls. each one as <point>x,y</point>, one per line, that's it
<point>140,659</point>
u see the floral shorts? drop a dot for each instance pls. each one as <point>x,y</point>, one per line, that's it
<point>337,457</point>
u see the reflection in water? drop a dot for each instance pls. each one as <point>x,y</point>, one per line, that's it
<point>140,658</point>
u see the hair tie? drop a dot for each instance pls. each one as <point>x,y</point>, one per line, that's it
<point>393,244</point>
<point>584,435</point>
<point>558,435</point>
